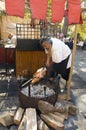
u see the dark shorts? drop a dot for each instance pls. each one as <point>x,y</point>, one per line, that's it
<point>60,68</point>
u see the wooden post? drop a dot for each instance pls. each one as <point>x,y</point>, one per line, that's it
<point>72,63</point>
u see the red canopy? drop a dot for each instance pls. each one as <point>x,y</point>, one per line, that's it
<point>57,10</point>
<point>15,7</point>
<point>39,9</point>
<point>74,11</point>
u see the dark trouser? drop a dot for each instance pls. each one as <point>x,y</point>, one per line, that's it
<point>60,68</point>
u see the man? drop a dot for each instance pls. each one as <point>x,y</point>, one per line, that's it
<point>13,39</point>
<point>58,57</point>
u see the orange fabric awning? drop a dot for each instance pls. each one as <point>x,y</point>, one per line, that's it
<point>39,9</point>
<point>74,11</point>
<point>15,7</point>
<point>58,10</point>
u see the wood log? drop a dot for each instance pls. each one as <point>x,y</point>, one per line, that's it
<point>6,118</point>
<point>52,122</point>
<point>61,115</point>
<point>31,119</point>
<point>22,124</point>
<point>64,106</point>
<point>64,101</point>
<point>56,117</point>
<point>18,115</point>
<point>64,112</point>
<point>72,110</point>
<point>61,107</point>
<point>41,125</point>
<point>45,107</point>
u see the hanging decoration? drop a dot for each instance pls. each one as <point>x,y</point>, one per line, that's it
<point>57,10</point>
<point>39,9</point>
<point>74,12</point>
<point>15,7</point>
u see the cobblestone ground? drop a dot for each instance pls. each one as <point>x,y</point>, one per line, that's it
<point>78,91</point>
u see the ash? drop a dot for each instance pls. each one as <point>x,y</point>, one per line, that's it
<point>39,90</point>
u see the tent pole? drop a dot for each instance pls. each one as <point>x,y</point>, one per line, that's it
<point>72,63</point>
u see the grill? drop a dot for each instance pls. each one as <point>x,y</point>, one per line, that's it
<point>30,95</point>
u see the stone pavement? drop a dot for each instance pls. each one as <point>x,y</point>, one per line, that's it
<point>78,90</point>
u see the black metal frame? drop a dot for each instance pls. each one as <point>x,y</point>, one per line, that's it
<point>27,31</point>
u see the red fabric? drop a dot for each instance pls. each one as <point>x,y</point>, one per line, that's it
<point>39,9</point>
<point>15,7</point>
<point>74,2</point>
<point>74,11</point>
<point>57,10</point>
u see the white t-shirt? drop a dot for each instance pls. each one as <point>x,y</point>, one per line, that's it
<point>14,40</point>
<point>60,51</point>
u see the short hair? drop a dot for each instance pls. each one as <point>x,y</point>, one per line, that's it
<point>47,40</point>
<point>10,36</point>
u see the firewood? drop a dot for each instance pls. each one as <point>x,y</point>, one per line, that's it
<point>62,111</point>
<point>64,106</point>
<point>56,117</point>
<point>61,107</point>
<point>45,107</point>
<point>6,118</point>
<point>52,122</point>
<point>31,119</point>
<point>41,125</point>
<point>61,115</point>
<point>72,110</point>
<point>22,123</point>
<point>18,115</point>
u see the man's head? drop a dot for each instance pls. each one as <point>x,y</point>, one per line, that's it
<point>10,36</point>
<point>46,43</point>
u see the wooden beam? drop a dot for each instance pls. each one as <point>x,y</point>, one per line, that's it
<point>56,125</point>
<point>72,63</point>
<point>18,115</point>
<point>31,119</point>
